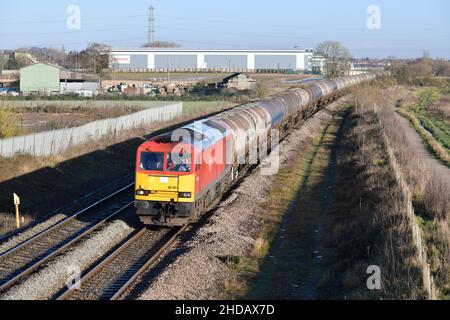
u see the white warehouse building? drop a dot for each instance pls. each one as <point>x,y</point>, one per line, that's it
<point>229,60</point>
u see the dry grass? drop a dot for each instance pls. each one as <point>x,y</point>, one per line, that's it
<point>8,222</point>
<point>368,220</point>
<point>431,196</point>
<point>52,116</point>
<point>36,116</point>
<point>441,107</point>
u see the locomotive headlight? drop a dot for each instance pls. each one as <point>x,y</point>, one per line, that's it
<point>142,192</point>
<point>184,195</point>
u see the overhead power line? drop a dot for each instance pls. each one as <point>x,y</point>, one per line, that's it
<point>64,20</point>
<point>216,32</point>
<point>241,22</point>
<point>221,45</point>
<point>249,23</point>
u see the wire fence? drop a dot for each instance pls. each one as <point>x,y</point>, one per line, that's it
<point>55,141</point>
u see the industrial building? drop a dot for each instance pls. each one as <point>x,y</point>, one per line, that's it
<point>210,60</point>
<point>318,64</point>
<point>49,79</point>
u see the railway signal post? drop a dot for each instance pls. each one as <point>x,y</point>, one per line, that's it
<point>16,204</point>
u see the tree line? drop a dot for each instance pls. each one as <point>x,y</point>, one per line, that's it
<point>94,58</point>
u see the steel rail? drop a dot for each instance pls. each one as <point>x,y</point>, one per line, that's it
<point>60,245</point>
<point>59,223</point>
<point>117,286</point>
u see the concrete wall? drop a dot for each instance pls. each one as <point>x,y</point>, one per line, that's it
<point>225,61</point>
<point>53,142</point>
<point>76,86</point>
<point>138,61</point>
<point>166,61</point>
<point>275,62</point>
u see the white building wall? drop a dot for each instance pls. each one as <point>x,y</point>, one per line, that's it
<point>300,61</point>
<point>151,61</point>
<point>251,61</point>
<point>200,56</point>
<point>201,61</point>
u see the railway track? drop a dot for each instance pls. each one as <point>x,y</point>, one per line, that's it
<point>113,275</point>
<point>32,253</point>
<point>29,255</point>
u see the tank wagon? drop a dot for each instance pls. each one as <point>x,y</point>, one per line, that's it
<point>181,174</point>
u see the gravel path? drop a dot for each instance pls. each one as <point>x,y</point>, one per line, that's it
<point>48,280</point>
<point>198,273</point>
<point>15,240</point>
<point>430,161</point>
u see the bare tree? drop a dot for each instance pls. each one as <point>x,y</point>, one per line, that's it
<point>338,57</point>
<point>442,68</point>
<point>99,55</point>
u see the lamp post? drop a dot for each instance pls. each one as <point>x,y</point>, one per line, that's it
<point>1,60</point>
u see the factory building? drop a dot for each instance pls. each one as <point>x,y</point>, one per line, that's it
<point>46,78</point>
<point>210,60</point>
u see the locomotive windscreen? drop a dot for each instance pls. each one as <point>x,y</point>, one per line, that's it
<point>152,161</point>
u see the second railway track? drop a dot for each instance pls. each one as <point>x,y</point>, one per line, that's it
<point>29,255</point>
<point>114,274</point>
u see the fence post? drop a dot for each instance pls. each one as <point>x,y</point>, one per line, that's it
<point>52,142</point>
<point>43,142</point>
<point>34,144</point>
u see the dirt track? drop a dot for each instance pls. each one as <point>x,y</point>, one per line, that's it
<point>425,155</point>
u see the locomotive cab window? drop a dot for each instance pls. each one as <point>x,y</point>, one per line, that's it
<point>182,163</point>
<point>152,161</point>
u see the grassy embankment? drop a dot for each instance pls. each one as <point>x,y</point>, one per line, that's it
<point>430,194</point>
<point>368,218</point>
<point>429,114</point>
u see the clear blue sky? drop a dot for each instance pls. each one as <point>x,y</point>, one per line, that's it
<point>407,26</point>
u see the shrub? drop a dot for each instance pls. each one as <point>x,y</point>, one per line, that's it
<point>8,127</point>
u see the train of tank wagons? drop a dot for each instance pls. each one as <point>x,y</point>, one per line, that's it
<point>180,176</point>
